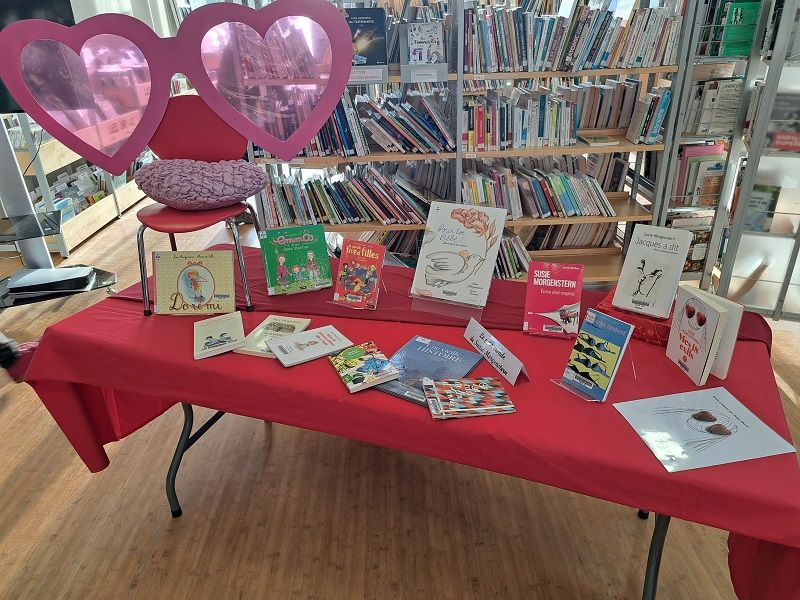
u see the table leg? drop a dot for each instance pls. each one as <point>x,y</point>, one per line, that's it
<point>654,557</point>
<point>642,514</point>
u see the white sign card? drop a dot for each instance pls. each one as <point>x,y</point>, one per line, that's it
<point>495,353</point>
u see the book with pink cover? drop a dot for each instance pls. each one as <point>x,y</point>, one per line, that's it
<point>691,152</point>
<point>553,299</point>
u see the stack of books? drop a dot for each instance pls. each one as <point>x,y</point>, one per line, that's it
<point>513,259</point>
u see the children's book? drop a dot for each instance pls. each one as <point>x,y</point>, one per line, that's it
<point>358,280</point>
<point>597,354</point>
<point>193,283</point>
<point>458,253</point>
<point>553,299</point>
<point>421,357</point>
<point>271,328</point>
<point>363,366</point>
<point>308,345</point>
<point>218,335</point>
<point>368,27</point>
<point>652,270</point>
<point>426,43</point>
<point>761,207</point>
<point>458,398</point>
<point>295,259</point>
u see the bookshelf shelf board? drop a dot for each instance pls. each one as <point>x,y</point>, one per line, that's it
<point>584,73</point>
<point>53,154</point>
<point>329,161</point>
<point>580,148</point>
<point>626,210</point>
<point>566,253</point>
<point>372,226</point>
<point>597,268</point>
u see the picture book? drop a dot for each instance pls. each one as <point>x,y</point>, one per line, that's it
<point>368,27</point>
<point>218,335</point>
<point>421,357</point>
<point>702,428</point>
<point>652,270</point>
<point>363,366</point>
<point>358,280</point>
<point>598,351</point>
<point>295,259</point>
<point>193,283</point>
<point>761,207</point>
<point>271,328</point>
<point>458,398</point>
<point>426,43</point>
<point>458,253</point>
<point>553,299</point>
<point>308,345</point>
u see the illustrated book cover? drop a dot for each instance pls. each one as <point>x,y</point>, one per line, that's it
<point>193,283</point>
<point>761,207</point>
<point>308,345</point>
<point>421,357</point>
<point>458,253</point>
<point>459,398</point>
<point>426,43</point>
<point>218,335</point>
<point>598,351</point>
<point>553,299</point>
<point>363,366</point>
<point>358,280</point>
<point>271,328</point>
<point>783,130</point>
<point>702,428</point>
<point>652,270</point>
<point>295,259</point>
<point>368,27</point>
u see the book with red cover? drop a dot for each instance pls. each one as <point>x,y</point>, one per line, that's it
<point>553,299</point>
<point>358,280</point>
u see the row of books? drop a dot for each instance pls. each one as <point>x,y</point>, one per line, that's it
<point>701,169</point>
<point>402,244</point>
<point>432,178</point>
<point>729,27</point>
<point>508,39</point>
<point>513,259</point>
<point>648,116</point>
<point>610,170</point>
<point>713,106</point>
<point>698,222</point>
<point>585,235</point>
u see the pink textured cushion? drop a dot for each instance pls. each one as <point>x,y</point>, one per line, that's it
<point>197,185</point>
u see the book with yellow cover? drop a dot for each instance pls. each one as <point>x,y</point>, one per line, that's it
<point>193,283</point>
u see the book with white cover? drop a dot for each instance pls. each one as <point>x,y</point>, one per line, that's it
<point>218,335</point>
<point>271,328</point>
<point>652,270</point>
<point>308,345</point>
<point>458,253</point>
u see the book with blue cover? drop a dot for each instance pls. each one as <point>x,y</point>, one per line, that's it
<point>422,357</point>
<point>595,358</point>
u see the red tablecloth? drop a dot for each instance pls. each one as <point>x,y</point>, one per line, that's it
<point>107,371</point>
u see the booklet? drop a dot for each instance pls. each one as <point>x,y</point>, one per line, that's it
<point>358,280</point>
<point>218,335</point>
<point>702,428</point>
<point>458,398</point>
<point>363,366</point>
<point>271,328</point>
<point>295,259</point>
<point>193,283</point>
<point>553,299</point>
<point>308,345</point>
<point>597,354</point>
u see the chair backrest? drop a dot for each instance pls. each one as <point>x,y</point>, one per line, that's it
<point>190,129</point>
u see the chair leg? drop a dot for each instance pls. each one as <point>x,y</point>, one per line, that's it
<point>172,243</point>
<point>255,217</point>
<point>143,270</point>
<point>238,243</point>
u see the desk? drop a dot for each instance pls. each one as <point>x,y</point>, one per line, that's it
<point>107,371</point>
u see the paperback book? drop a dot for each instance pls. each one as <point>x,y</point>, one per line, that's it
<point>218,335</point>
<point>193,283</point>
<point>308,345</point>
<point>368,28</point>
<point>271,328</point>
<point>421,357</point>
<point>358,281</point>
<point>363,366</point>
<point>426,43</point>
<point>295,259</point>
<point>459,398</point>
<point>761,207</point>
<point>553,299</point>
<point>595,359</point>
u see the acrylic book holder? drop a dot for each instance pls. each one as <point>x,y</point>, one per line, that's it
<point>453,310</point>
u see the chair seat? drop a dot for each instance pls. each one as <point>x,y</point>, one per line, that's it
<point>169,220</point>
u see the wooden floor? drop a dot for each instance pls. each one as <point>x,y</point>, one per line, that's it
<point>277,512</point>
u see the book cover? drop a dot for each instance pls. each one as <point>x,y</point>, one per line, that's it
<point>458,398</point>
<point>421,357</point>
<point>553,299</point>
<point>308,345</point>
<point>218,335</point>
<point>295,259</point>
<point>652,270</point>
<point>426,43</point>
<point>761,207</point>
<point>458,253</point>
<point>358,281</point>
<point>783,130</point>
<point>598,351</point>
<point>271,328</point>
<point>363,366</point>
<point>368,27</point>
<point>193,283</point>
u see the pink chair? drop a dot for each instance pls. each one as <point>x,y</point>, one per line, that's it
<point>190,129</point>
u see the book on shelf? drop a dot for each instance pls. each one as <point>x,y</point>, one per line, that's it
<point>585,235</point>
<point>193,283</point>
<point>363,366</point>
<point>422,357</point>
<point>459,398</point>
<point>783,130</point>
<point>295,259</point>
<point>513,258</point>
<point>308,345</point>
<point>598,140</point>
<point>426,43</point>
<point>652,270</point>
<point>761,207</point>
<point>358,280</point>
<point>271,328</point>
<point>713,106</point>
<point>368,28</point>
<point>218,335</point>
<point>684,191</point>
<point>738,23</point>
<point>648,116</point>
<point>553,299</point>
<point>595,358</point>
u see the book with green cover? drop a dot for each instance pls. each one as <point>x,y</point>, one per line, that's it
<point>295,259</point>
<point>738,21</point>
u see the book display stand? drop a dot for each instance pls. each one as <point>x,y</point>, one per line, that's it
<point>419,73</point>
<point>453,310</point>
